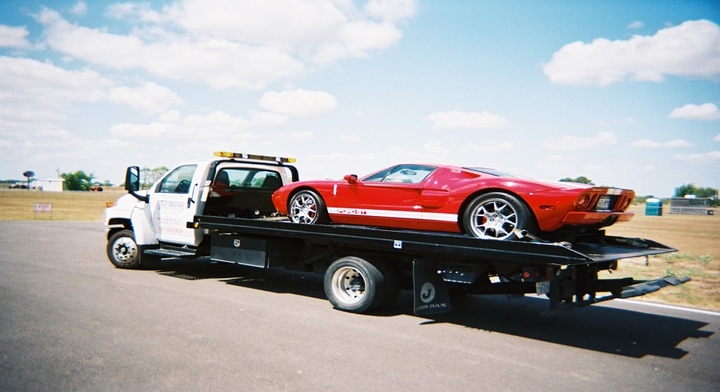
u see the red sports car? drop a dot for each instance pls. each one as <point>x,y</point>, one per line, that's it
<point>480,202</point>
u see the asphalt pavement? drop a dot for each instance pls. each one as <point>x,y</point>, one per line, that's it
<point>70,321</point>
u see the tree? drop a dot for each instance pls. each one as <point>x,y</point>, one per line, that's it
<point>149,176</point>
<point>579,180</point>
<point>78,181</point>
<point>691,189</point>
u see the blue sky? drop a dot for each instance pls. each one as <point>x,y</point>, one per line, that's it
<point>625,93</point>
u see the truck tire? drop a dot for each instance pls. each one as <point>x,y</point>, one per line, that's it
<point>356,285</point>
<point>123,251</point>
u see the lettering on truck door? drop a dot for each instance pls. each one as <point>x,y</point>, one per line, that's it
<point>173,203</point>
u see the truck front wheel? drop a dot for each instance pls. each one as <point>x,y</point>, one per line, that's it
<point>123,251</point>
<point>355,285</point>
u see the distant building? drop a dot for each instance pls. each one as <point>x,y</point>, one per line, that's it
<point>50,185</point>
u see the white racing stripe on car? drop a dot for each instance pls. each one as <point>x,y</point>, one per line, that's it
<point>436,216</point>
<point>393,214</point>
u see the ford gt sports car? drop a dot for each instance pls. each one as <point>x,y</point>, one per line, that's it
<point>480,202</point>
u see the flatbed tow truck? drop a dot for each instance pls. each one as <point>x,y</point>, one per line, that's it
<point>364,268</point>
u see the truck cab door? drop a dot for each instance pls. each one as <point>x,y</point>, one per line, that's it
<point>174,201</point>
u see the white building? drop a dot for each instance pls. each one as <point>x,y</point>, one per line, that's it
<point>50,185</point>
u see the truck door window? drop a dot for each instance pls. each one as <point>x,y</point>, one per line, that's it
<point>177,181</point>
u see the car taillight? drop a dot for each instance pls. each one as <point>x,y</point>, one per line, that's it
<point>624,203</point>
<point>582,202</point>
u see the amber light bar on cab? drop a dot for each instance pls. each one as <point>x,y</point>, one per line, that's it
<point>255,157</point>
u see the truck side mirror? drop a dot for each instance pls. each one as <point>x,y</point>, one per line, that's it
<point>132,179</point>
<point>132,182</point>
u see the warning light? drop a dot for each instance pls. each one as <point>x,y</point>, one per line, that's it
<point>254,157</point>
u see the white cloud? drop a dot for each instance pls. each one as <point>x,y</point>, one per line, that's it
<point>356,39</point>
<point>80,8</point>
<point>232,44</point>
<point>150,98</point>
<point>298,135</point>
<point>647,143</point>
<point>636,25</point>
<point>490,146</point>
<point>298,103</point>
<point>717,138</point>
<point>391,9</point>
<point>707,157</point>
<point>465,120</point>
<point>13,37</point>
<point>706,111</point>
<point>570,143</point>
<point>219,63</point>
<point>217,127</point>
<point>690,49</point>
<point>353,138</point>
<point>36,95</point>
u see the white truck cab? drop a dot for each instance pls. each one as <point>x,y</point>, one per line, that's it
<point>155,221</point>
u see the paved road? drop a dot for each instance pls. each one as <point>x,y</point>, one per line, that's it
<point>71,321</point>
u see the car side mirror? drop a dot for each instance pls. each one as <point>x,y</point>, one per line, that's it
<point>351,178</point>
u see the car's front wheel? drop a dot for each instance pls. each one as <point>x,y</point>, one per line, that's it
<point>496,216</point>
<point>307,207</point>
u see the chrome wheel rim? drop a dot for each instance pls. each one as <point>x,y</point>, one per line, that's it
<point>303,209</point>
<point>348,285</point>
<point>124,250</point>
<point>494,218</point>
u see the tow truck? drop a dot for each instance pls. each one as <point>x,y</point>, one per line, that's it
<point>220,210</point>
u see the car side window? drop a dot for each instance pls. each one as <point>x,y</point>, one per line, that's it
<point>177,181</point>
<point>406,174</point>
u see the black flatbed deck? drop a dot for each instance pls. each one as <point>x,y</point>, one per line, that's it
<point>424,244</point>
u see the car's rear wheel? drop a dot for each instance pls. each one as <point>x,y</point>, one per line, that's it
<point>496,215</point>
<point>307,207</point>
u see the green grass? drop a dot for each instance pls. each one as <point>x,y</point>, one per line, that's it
<point>19,204</point>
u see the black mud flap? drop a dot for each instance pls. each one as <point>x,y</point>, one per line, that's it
<point>651,286</point>
<point>431,294</point>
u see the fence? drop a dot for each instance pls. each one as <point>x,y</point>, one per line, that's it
<point>688,206</point>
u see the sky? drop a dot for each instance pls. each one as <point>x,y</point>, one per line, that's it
<point>626,93</point>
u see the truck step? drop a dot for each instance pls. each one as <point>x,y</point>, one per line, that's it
<point>168,252</point>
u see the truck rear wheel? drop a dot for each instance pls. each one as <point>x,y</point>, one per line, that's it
<point>356,285</point>
<point>123,251</point>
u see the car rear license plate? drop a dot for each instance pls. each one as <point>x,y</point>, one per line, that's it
<point>603,203</point>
